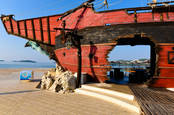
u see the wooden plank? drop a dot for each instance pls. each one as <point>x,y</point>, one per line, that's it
<point>25,27</point>
<point>33,29</point>
<point>154,101</point>
<point>11,25</point>
<point>161,67</point>
<point>18,27</point>
<point>48,30</point>
<point>163,77</point>
<point>41,29</point>
<point>165,44</point>
<point>135,16</point>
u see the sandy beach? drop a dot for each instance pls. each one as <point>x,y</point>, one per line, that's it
<point>13,74</point>
<point>19,98</point>
<point>9,77</point>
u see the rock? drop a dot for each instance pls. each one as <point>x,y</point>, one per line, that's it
<point>49,83</point>
<point>43,82</point>
<point>57,80</point>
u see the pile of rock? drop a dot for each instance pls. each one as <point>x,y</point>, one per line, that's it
<point>57,80</point>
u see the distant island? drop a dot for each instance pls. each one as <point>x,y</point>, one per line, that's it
<point>143,62</point>
<point>2,60</point>
<point>28,61</point>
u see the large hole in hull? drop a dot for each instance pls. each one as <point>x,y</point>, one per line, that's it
<point>132,60</point>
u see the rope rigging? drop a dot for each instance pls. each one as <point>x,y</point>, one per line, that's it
<point>105,4</point>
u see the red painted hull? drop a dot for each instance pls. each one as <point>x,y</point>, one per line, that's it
<point>165,69</point>
<point>96,66</point>
<point>94,57</point>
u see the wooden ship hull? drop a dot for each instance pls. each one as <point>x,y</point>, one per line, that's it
<point>100,32</point>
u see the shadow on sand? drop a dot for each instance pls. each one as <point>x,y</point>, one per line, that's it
<point>18,92</point>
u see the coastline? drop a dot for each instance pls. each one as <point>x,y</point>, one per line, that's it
<point>12,74</point>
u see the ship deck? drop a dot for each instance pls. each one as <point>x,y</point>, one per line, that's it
<point>154,101</point>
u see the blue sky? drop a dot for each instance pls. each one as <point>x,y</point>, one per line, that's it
<point>12,48</point>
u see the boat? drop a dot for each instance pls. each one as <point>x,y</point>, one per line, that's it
<point>80,39</point>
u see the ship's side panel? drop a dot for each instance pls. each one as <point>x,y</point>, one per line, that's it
<point>22,28</point>
<point>53,24</point>
<point>7,26</point>
<point>37,29</point>
<point>171,16</point>
<point>144,17</point>
<point>165,67</point>
<point>40,29</point>
<point>94,60</point>
<point>43,28</point>
<point>14,25</point>
<point>29,29</point>
<point>45,33</point>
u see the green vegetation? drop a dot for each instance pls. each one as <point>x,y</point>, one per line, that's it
<point>139,62</point>
<point>29,61</point>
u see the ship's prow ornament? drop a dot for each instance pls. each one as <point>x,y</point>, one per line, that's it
<point>6,17</point>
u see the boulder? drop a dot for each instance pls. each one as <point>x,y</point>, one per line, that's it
<point>57,80</point>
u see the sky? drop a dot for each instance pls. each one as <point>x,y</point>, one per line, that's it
<point>12,48</point>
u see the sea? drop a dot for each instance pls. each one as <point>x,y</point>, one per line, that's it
<point>27,65</point>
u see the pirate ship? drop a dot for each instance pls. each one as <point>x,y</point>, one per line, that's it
<point>80,39</point>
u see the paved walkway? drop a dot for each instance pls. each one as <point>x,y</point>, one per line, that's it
<point>22,98</point>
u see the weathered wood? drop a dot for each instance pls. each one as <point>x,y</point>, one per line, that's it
<point>120,27</point>
<point>41,29</point>
<point>18,27</point>
<point>11,25</point>
<point>154,101</point>
<point>48,29</point>
<point>93,60</point>
<point>163,77</point>
<point>33,29</point>
<point>25,27</point>
<point>107,34</point>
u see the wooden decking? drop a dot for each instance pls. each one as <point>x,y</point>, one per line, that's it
<point>154,101</point>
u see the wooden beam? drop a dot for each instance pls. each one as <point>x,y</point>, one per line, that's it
<point>165,44</point>
<point>167,2</point>
<point>25,27</point>
<point>11,25</point>
<point>41,29</point>
<point>4,24</point>
<point>48,30</point>
<point>135,16</point>
<point>18,27</point>
<point>161,17</point>
<point>160,67</point>
<point>33,29</point>
<point>163,77</point>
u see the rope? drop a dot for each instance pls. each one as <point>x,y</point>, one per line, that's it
<point>109,4</point>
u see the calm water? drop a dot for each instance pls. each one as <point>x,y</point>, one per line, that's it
<point>26,65</point>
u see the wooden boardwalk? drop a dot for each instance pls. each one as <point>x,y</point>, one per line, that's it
<point>154,101</point>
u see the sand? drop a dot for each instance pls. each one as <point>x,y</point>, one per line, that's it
<point>13,74</point>
<point>9,77</point>
<point>19,98</point>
